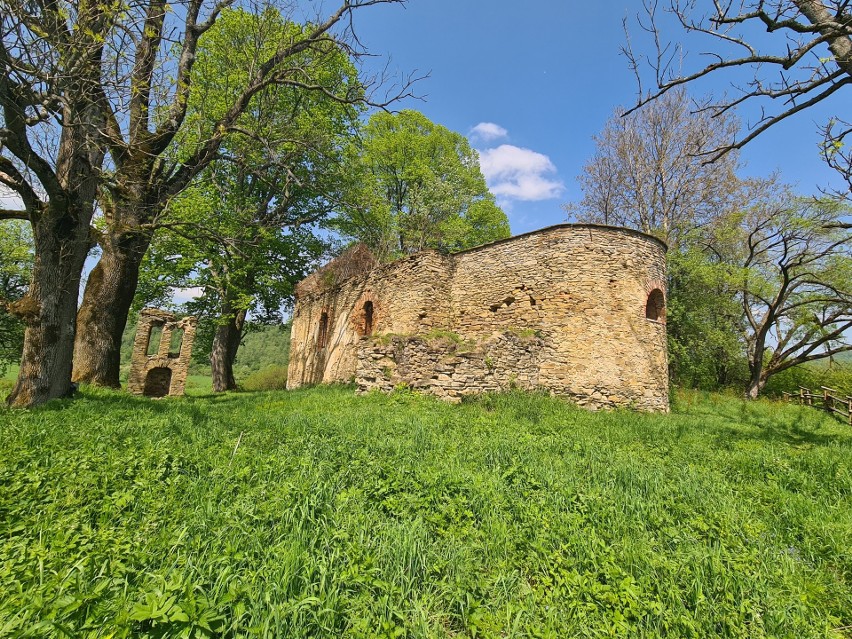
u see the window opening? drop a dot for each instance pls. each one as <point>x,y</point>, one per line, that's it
<point>175,342</point>
<point>655,307</point>
<point>154,338</point>
<point>322,335</point>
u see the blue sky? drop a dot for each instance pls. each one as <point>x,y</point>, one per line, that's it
<point>539,79</point>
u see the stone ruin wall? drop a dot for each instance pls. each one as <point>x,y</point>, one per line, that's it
<point>584,290</point>
<point>563,309</point>
<point>449,369</point>
<point>163,372</point>
<point>409,296</point>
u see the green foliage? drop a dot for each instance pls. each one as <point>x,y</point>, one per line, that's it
<point>16,261</point>
<point>702,317</point>
<point>319,513</point>
<point>789,262</point>
<point>263,347</point>
<point>419,186</point>
<point>244,232</point>
<point>813,376</point>
<point>269,378</point>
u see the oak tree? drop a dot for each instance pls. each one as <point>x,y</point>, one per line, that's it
<point>52,56</point>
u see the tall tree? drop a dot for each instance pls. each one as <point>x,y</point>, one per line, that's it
<point>160,150</point>
<point>649,170</point>
<point>791,267</point>
<point>421,188</point>
<point>51,56</point>
<point>243,229</point>
<point>806,60</point>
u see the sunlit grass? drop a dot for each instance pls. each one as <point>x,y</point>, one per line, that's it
<point>318,513</point>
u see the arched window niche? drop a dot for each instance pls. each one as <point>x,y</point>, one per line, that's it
<point>655,307</point>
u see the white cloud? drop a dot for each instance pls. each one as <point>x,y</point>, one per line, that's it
<point>487,132</point>
<point>185,294</point>
<point>521,174</point>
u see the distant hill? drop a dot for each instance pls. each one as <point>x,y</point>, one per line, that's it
<point>264,346</point>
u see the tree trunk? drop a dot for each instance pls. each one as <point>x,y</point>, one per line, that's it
<point>48,309</point>
<point>106,304</point>
<point>756,383</point>
<point>226,341</point>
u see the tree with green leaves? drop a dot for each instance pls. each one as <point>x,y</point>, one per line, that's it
<point>166,144</point>
<point>703,320</point>
<point>243,232</point>
<point>16,263</point>
<point>790,265</point>
<point>420,187</point>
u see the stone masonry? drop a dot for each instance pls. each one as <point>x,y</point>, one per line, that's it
<point>577,310</point>
<point>163,372</point>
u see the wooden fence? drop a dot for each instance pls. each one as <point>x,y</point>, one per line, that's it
<point>830,402</point>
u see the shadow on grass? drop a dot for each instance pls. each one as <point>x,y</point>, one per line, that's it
<point>110,398</point>
<point>805,428</point>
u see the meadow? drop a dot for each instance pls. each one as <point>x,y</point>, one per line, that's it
<point>320,513</point>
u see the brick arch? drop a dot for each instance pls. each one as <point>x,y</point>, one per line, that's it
<point>655,302</point>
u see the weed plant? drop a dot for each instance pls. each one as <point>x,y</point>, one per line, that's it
<point>318,513</point>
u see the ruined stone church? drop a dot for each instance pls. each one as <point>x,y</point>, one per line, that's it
<point>575,309</point>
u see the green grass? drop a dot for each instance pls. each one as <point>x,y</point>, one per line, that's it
<point>318,513</point>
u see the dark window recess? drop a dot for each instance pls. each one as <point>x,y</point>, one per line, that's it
<point>368,318</point>
<point>157,382</point>
<point>322,335</point>
<point>655,307</point>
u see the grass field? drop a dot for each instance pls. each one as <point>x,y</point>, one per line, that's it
<point>318,513</point>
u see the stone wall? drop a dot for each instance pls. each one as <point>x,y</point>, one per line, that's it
<point>408,296</point>
<point>582,289</point>
<point>163,372</point>
<point>443,365</point>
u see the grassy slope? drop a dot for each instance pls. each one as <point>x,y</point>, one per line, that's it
<point>338,515</point>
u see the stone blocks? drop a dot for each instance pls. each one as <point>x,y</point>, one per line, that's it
<point>155,369</point>
<point>565,309</point>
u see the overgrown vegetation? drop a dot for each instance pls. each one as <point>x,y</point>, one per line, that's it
<point>269,378</point>
<point>318,513</point>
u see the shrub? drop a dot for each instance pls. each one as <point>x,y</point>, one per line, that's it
<point>837,376</point>
<point>269,378</point>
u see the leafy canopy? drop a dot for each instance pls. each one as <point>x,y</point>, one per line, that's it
<point>420,186</point>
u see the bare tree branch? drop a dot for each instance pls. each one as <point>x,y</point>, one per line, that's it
<point>808,62</point>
